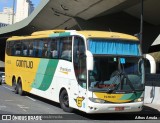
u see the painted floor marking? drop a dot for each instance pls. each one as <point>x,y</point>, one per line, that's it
<point>30,98</point>
<point>8,88</point>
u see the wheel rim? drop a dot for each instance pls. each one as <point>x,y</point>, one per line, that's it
<point>19,88</point>
<point>65,100</point>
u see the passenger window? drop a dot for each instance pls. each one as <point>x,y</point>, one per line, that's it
<point>10,48</point>
<point>25,48</point>
<point>66,48</point>
<point>18,48</point>
<point>45,50</point>
<point>53,49</point>
<point>35,48</point>
<point>40,48</point>
<point>30,48</point>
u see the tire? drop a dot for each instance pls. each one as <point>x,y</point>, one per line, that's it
<point>1,82</point>
<point>14,86</point>
<point>19,88</point>
<point>64,101</point>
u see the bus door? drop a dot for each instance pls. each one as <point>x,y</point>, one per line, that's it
<point>79,60</point>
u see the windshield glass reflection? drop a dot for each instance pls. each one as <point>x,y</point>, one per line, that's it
<point>116,74</point>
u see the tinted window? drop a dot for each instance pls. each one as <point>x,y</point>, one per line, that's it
<point>42,48</point>
<point>25,48</point>
<point>17,48</point>
<point>66,48</point>
<point>9,48</point>
<point>53,49</point>
<point>79,60</point>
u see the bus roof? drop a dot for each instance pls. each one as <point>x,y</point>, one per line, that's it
<point>104,34</point>
<point>87,34</point>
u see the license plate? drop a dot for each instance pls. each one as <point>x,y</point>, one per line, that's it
<point>119,108</point>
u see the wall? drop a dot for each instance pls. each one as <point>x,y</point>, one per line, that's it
<point>152,89</point>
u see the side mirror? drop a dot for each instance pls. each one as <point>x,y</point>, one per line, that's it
<point>90,62</point>
<point>152,63</point>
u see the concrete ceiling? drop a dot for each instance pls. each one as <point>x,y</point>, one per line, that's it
<point>151,11</point>
<point>58,14</point>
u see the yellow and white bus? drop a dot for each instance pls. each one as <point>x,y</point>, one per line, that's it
<point>91,71</point>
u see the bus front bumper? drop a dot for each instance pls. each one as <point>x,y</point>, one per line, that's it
<point>113,108</point>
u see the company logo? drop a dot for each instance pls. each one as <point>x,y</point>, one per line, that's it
<point>79,101</point>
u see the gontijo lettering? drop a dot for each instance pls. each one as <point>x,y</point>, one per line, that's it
<point>24,64</point>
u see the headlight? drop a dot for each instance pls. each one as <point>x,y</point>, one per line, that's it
<point>96,100</point>
<point>139,99</point>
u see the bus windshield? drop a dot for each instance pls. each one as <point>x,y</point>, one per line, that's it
<point>117,74</point>
<point>118,65</point>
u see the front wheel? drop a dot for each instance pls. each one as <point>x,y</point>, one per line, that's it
<point>64,101</point>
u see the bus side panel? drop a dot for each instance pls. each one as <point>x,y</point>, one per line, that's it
<point>62,72</point>
<point>65,78</point>
<point>22,68</point>
<point>45,77</point>
<point>8,70</point>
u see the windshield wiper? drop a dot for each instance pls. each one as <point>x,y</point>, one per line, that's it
<point>123,75</point>
<point>129,82</point>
